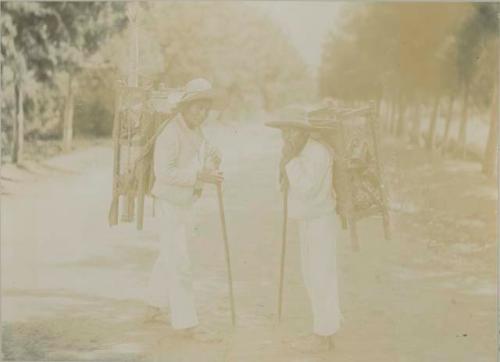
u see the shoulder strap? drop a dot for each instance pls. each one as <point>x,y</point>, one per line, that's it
<point>328,146</point>
<point>151,142</point>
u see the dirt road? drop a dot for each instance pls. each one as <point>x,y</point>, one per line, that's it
<point>72,287</point>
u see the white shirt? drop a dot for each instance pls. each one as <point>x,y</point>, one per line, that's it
<point>310,193</point>
<point>180,153</point>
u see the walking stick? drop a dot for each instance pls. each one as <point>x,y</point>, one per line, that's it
<point>228,258</point>
<point>283,251</point>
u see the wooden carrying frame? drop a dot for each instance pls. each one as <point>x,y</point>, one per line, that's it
<point>136,125</point>
<point>357,173</point>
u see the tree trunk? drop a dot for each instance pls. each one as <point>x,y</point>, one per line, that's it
<point>18,144</point>
<point>432,125</point>
<point>388,111</point>
<point>400,126</point>
<point>378,106</point>
<point>387,117</point>
<point>449,116</point>
<point>68,116</point>
<point>462,134</point>
<point>393,116</point>
<point>1,128</point>
<point>415,130</point>
<point>490,152</point>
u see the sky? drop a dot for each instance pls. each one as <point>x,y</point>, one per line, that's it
<point>306,22</point>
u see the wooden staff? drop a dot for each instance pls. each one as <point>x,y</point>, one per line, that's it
<point>283,251</point>
<point>113,210</point>
<point>228,257</point>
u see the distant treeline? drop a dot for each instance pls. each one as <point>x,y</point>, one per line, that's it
<point>60,63</point>
<point>419,60</point>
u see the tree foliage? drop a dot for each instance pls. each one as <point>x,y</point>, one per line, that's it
<point>41,40</point>
<point>231,44</point>
<point>413,57</point>
<point>397,47</point>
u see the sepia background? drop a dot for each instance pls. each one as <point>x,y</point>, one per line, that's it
<point>72,286</point>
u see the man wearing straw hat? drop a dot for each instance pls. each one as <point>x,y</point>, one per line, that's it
<point>306,180</point>
<point>183,162</point>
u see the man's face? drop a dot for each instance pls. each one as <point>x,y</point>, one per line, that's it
<point>293,135</point>
<point>294,140</point>
<point>330,137</point>
<point>196,112</point>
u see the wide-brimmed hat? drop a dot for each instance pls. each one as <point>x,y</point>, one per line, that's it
<point>198,89</point>
<point>291,117</point>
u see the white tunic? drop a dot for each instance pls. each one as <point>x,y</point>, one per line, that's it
<point>310,176</point>
<point>311,204</point>
<point>180,153</point>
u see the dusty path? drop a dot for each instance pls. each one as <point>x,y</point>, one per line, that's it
<point>72,287</point>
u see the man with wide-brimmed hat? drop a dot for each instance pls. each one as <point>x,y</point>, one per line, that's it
<point>183,162</point>
<point>306,176</point>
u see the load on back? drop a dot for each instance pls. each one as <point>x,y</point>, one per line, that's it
<point>140,116</point>
<point>357,173</point>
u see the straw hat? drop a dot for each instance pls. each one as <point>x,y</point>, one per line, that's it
<point>198,89</point>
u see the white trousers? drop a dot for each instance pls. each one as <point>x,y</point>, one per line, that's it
<point>171,279</point>
<point>319,270</point>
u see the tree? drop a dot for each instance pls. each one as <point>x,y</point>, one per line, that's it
<point>40,39</point>
<point>83,28</point>
<point>490,153</point>
<point>477,30</point>
<point>27,51</point>
<point>449,115</point>
<point>431,135</point>
<point>231,44</point>
<point>488,78</point>
<point>393,47</point>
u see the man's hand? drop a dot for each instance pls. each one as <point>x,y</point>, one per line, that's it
<point>287,153</point>
<point>216,158</point>
<point>213,158</point>
<point>284,183</point>
<point>211,177</point>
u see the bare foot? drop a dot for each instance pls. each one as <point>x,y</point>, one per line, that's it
<point>154,314</point>
<point>312,344</point>
<point>331,343</point>
<point>200,334</point>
